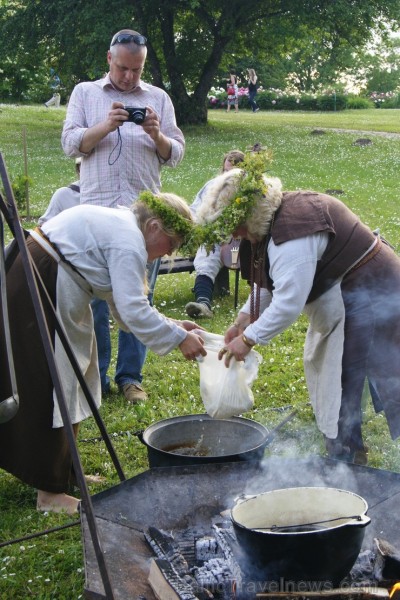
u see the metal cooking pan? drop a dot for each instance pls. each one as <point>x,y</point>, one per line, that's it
<point>303,534</point>
<point>200,439</point>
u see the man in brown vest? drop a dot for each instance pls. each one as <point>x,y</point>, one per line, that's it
<point>307,252</point>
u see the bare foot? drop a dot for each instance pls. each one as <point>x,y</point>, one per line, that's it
<point>49,502</point>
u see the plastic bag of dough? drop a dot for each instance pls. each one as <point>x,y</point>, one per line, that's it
<point>226,392</point>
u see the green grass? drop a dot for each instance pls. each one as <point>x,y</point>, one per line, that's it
<point>51,567</point>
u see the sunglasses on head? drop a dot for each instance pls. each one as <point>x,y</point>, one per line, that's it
<point>127,38</point>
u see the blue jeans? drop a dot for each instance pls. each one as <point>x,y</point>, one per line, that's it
<point>252,101</point>
<point>131,352</point>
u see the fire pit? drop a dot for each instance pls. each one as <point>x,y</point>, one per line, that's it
<point>186,501</point>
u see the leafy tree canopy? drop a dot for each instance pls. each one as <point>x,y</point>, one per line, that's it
<point>188,39</point>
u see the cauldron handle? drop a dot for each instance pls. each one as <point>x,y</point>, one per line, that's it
<point>242,498</point>
<point>362,521</point>
<point>139,434</point>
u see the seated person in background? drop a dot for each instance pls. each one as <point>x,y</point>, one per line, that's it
<point>208,265</point>
<point>64,197</point>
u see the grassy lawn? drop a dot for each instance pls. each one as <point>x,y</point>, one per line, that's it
<point>366,179</point>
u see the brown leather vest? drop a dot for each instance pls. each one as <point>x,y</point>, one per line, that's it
<point>304,213</point>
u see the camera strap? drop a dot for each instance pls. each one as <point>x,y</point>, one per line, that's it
<point>117,148</point>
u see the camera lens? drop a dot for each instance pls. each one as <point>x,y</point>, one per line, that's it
<point>136,115</point>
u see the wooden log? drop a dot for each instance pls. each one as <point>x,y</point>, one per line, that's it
<point>387,562</point>
<point>166,583</point>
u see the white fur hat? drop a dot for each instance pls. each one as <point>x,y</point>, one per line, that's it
<point>221,192</point>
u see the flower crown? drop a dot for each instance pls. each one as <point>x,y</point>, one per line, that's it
<point>171,219</point>
<point>251,187</point>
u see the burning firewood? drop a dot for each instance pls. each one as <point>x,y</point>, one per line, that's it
<point>169,575</point>
<point>166,583</point>
<point>387,562</point>
<point>164,546</point>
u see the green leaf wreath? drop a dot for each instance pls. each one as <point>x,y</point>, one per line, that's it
<point>251,187</point>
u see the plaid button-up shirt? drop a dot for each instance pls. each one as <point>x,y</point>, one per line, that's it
<point>117,170</point>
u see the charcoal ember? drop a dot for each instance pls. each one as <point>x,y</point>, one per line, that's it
<point>201,593</point>
<point>207,548</point>
<point>216,576</point>
<point>226,540</point>
<point>362,572</point>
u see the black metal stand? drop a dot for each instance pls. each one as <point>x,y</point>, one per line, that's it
<point>10,213</point>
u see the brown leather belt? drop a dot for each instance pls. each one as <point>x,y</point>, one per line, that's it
<point>40,232</point>
<point>367,257</point>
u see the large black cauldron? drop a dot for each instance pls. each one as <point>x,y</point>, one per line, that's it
<point>303,534</point>
<point>200,439</point>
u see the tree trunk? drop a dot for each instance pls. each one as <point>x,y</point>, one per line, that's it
<point>190,110</point>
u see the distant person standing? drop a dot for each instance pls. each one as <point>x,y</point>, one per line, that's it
<point>55,84</point>
<point>233,91</point>
<point>252,85</point>
<point>121,157</point>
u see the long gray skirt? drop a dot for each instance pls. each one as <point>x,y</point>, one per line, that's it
<point>371,297</point>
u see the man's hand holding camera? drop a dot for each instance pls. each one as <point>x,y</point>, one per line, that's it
<point>119,115</point>
<point>151,125</point>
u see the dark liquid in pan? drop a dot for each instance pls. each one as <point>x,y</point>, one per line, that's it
<point>187,450</point>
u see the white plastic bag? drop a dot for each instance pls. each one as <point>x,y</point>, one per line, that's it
<point>226,391</point>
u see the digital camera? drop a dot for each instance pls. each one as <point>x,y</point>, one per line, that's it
<point>136,115</point>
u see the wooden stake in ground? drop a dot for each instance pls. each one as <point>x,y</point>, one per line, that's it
<point>26,173</point>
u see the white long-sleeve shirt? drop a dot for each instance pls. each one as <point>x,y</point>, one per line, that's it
<point>108,249</point>
<point>292,269</point>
